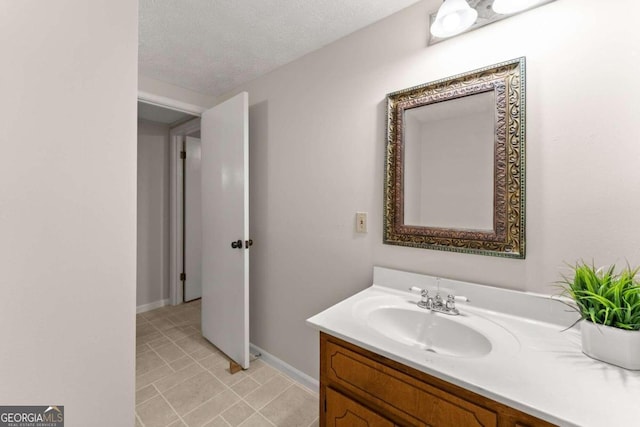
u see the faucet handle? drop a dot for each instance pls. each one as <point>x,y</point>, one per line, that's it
<point>450,306</point>
<point>451,302</point>
<point>425,300</point>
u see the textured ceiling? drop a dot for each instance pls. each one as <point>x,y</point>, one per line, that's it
<point>213,46</point>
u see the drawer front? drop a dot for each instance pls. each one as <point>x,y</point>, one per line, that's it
<point>403,396</point>
<point>344,412</point>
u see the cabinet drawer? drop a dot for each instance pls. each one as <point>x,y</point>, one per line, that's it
<point>344,412</point>
<point>407,398</point>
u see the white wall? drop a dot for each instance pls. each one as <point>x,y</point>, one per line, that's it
<point>68,207</point>
<point>153,213</point>
<point>317,136</point>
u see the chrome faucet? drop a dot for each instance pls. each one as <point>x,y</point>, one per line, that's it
<point>425,301</point>
<point>437,304</point>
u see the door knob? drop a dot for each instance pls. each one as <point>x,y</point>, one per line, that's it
<point>237,244</point>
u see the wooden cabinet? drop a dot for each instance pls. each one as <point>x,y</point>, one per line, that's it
<point>361,388</point>
<point>344,412</point>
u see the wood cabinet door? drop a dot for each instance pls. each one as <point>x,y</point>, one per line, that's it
<point>401,395</point>
<point>344,412</point>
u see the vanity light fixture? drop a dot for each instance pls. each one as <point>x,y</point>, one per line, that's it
<point>461,16</point>
<point>507,7</point>
<point>454,17</point>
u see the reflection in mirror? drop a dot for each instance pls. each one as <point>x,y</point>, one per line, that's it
<point>454,171</point>
<point>443,140</point>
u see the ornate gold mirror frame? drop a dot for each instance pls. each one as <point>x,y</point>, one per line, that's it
<point>507,238</point>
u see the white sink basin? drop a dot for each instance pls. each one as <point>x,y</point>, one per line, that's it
<point>466,335</point>
<point>429,331</point>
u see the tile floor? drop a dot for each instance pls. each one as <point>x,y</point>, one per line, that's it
<point>183,380</point>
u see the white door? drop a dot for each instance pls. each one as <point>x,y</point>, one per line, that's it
<point>225,227</point>
<point>192,220</point>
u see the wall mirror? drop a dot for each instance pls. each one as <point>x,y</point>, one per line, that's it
<point>455,171</point>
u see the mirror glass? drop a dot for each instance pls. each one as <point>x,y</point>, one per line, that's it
<point>448,163</point>
<point>454,167</point>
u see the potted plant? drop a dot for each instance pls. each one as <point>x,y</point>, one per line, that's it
<point>609,304</point>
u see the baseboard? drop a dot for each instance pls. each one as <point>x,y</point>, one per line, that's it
<point>304,379</point>
<point>152,305</point>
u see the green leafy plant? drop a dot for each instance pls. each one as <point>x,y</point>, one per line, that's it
<point>605,297</point>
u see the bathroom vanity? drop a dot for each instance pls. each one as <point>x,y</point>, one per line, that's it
<point>353,380</point>
<point>505,360</point>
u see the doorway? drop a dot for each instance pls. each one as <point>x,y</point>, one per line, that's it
<point>160,232</point>
<point>224,234</point>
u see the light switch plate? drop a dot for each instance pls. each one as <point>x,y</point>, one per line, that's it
<point>361,222</point>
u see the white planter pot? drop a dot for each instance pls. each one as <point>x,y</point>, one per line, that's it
<point>612,345</point>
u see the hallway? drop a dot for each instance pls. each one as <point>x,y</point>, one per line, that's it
<point>183,380</point>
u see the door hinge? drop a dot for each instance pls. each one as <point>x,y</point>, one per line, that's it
<point>183,276</point>
<point>183,154</point>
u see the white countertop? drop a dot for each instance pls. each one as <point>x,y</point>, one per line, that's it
<point>547,375</point>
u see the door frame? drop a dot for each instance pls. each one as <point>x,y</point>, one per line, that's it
<point>170,103</point>
<point>175,184</point>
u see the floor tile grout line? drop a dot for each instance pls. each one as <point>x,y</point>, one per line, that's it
<point>223,420</point>
<point>206,401</point>
<point>173,409</point>
<point>240,399</point>
<point>176,385</point>
<point>154,381</point>
<point>260,415</point>
<point>202,404</point>
<point>306,390</point>
<point>163,361</point>
<point>293,384</point>
<point>260,385</point>
<point>168,362</point>
<point>145,401</point>
<point>175,341</point>
<point>139,420</point>
<point>274,398</point>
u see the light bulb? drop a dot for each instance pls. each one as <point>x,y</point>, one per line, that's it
<point>451,22</point>
<point>454,17</point>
